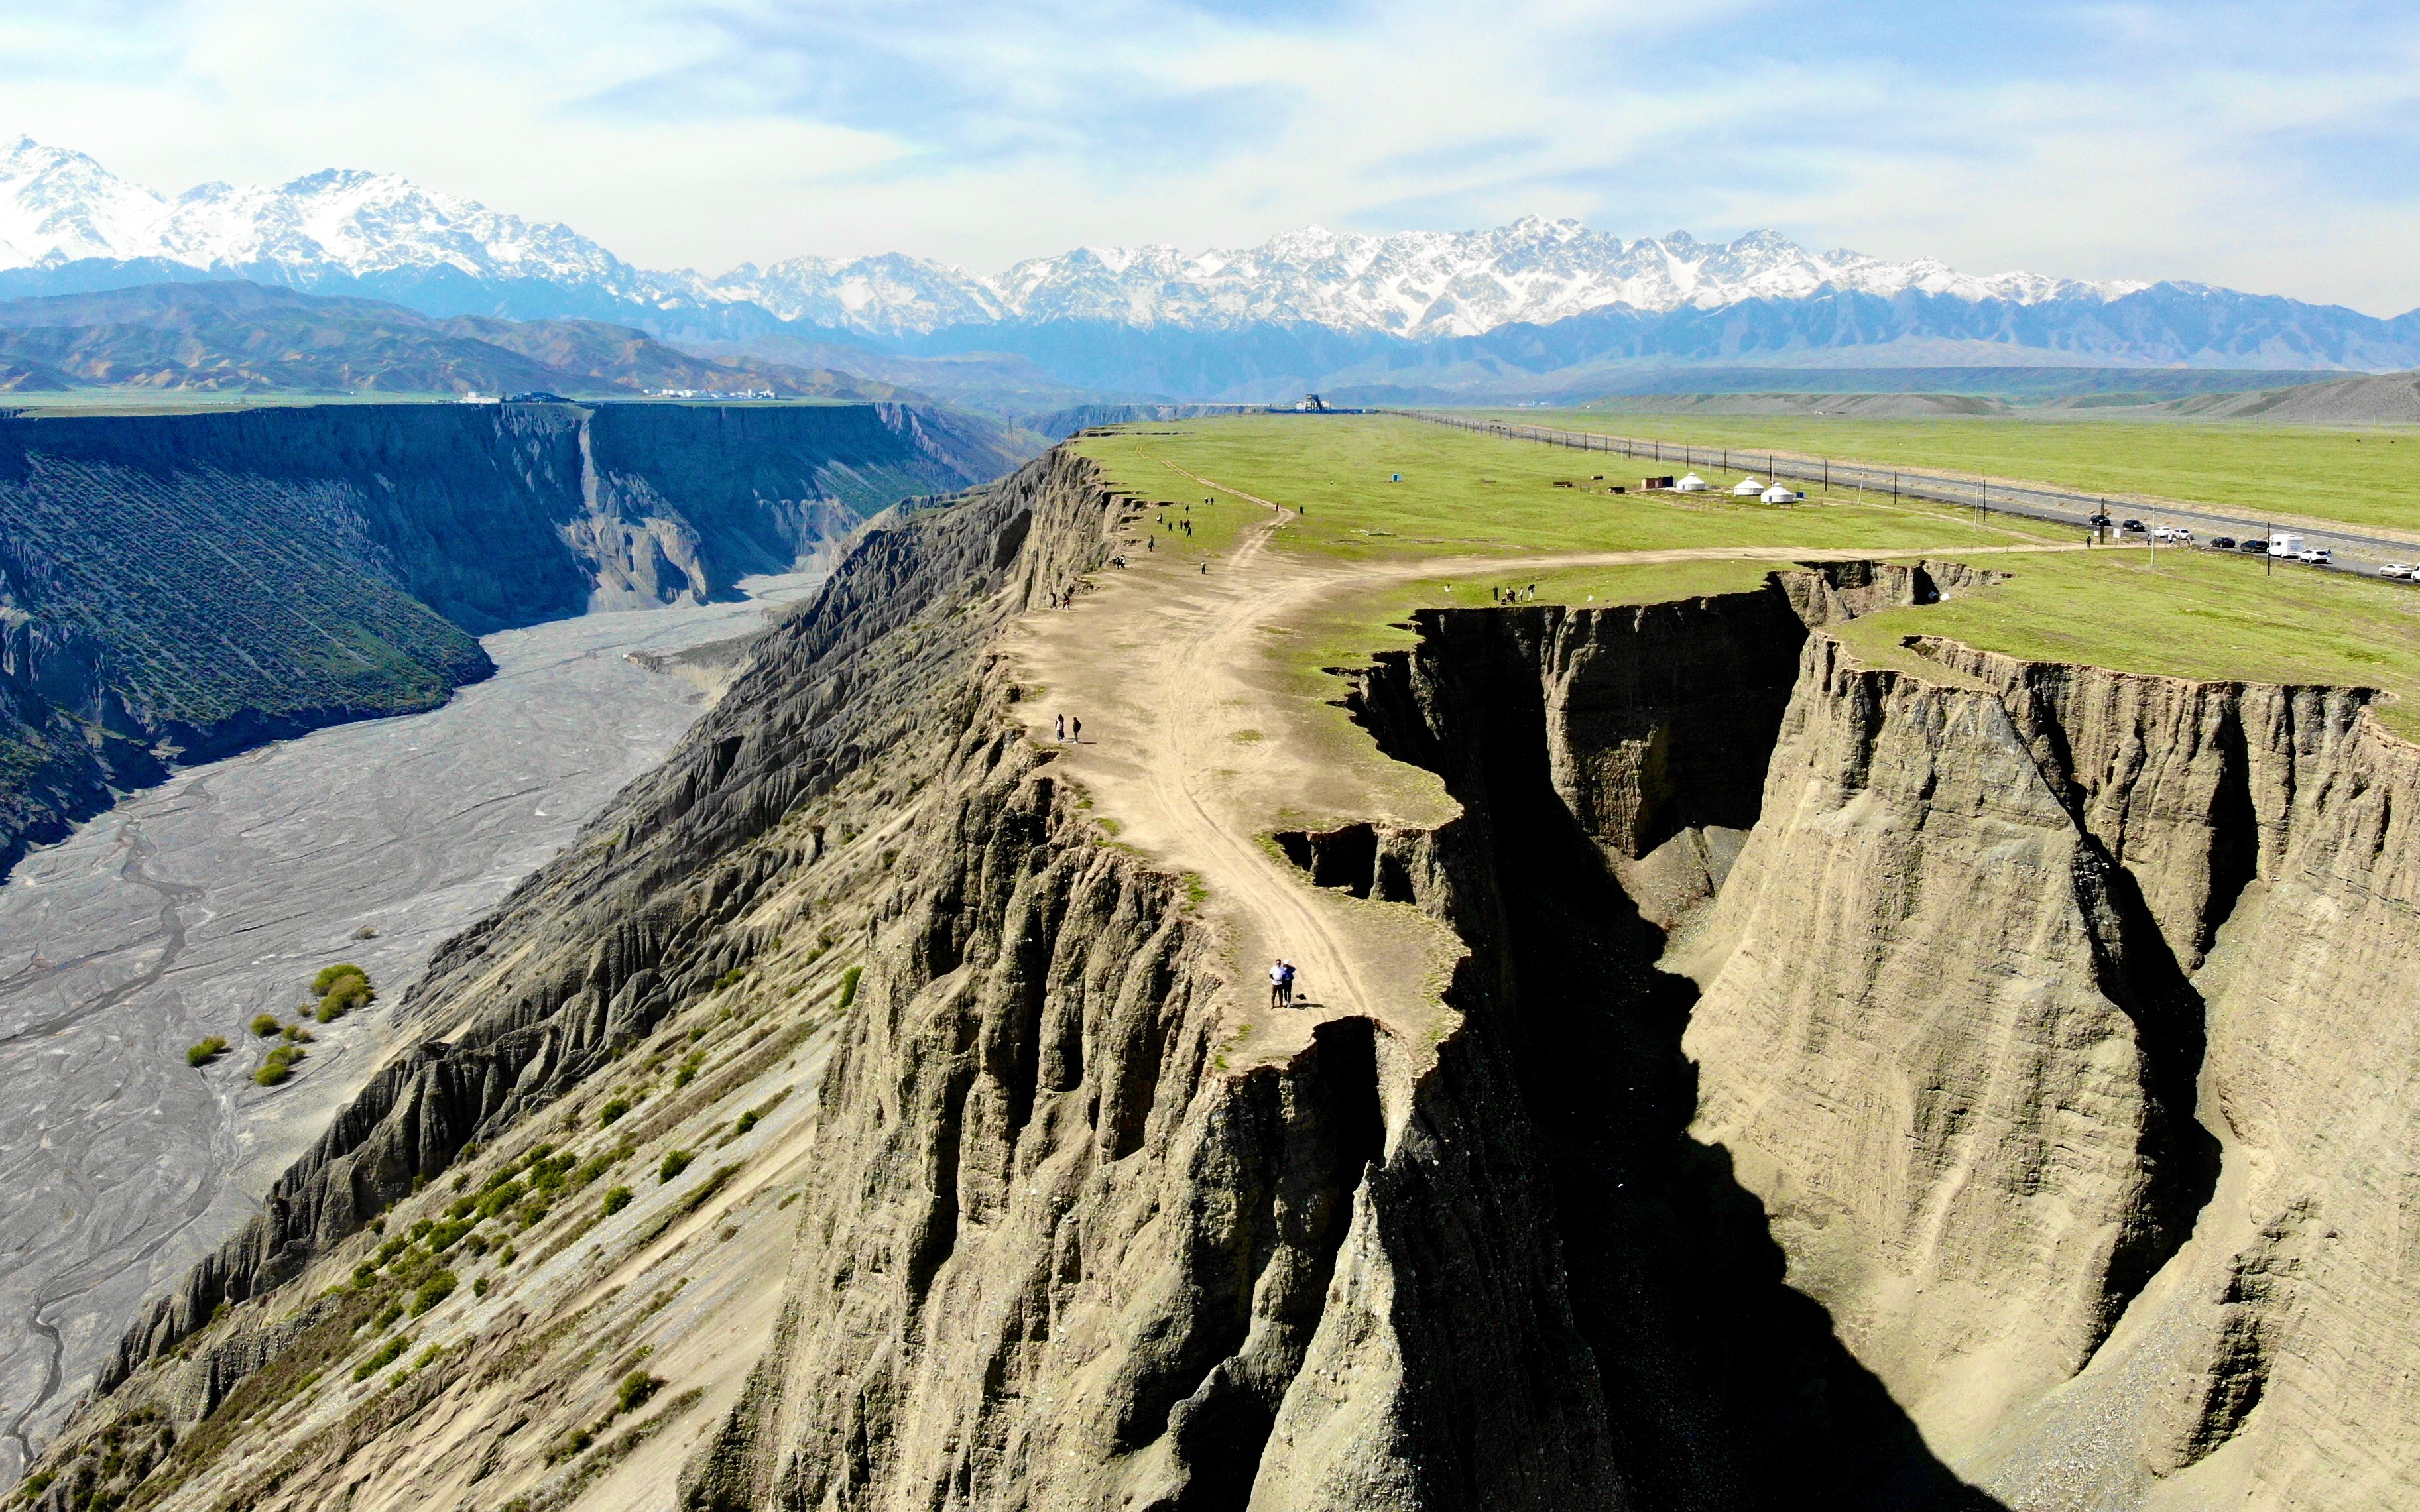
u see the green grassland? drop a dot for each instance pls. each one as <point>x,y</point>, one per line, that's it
<point>2193,614</point>
<point>2360,475</point>
<point>1468,495</point>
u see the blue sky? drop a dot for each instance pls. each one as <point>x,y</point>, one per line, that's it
<point>2262,147</point>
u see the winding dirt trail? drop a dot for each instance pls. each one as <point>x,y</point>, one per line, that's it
<point>1195,749</point>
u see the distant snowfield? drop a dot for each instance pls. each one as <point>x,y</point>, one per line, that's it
<point>191,907</point>
<point>58,207</point>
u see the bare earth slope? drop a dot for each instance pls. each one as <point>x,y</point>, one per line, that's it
<point>1737,1076</point>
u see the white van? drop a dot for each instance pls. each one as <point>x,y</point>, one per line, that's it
<point>2286,546</point>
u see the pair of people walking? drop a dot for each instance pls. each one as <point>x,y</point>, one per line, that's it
<point>1281,983</point>
<point>1071,729</point>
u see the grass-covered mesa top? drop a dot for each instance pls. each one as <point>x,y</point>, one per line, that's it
<point>2366,475</point>
<point>2192,613</point>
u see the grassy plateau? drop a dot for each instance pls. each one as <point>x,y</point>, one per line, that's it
<point>2192,613</point>
<point>2358,476</point>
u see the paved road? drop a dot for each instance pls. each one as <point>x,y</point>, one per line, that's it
<point>189,908</point>
<point>2357,552</point>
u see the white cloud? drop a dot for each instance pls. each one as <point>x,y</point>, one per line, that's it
<point>2087,141</point>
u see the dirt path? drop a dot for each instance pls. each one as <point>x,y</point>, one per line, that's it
<point>1195,749</point>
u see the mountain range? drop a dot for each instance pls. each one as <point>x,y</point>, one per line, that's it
<point>1533,309</point>
<point>235,335</point>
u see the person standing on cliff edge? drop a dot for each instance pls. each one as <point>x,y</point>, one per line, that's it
<point>1278,979</point>
<point>1063,730</point>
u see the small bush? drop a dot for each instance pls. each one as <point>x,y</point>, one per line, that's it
<point>500,1197</point>
<point>747,1122</point>
<point>432,1292</point>
<point>849,985</point>
<point>729,977</point>
<point>387,1355</point>
<point>616,1199</point>
<point>479,1287</point>
<point>297,1034</point>
<point>264,1025</point>
<point>202,1052</point>
<point>279,1065</point>
<point>612,1111</point>
<point>635,1389</point>
<point>676,1161</point>
<point>688,1068</point>
<point>326,980</point>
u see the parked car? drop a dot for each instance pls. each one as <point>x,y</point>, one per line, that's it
<point>2102,522</point>
<point>2257,546</point>
<point>2134,525</point>
<point>2176,534</point>
<point>2222,542</point>
<point>2315,557</point>
<point>2397,569</point>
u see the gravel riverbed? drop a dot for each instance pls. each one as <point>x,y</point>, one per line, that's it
<point>191,907</point>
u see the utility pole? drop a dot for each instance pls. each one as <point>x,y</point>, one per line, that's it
<point>2269,558</point>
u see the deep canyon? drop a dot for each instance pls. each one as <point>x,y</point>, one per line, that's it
<point>1954,1083</point>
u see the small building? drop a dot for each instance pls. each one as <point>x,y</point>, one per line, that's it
<point>1650,484</point>
<point>1692,483</point>
<point>1748,488</point>
<point>1311,404</point>
<point>1780,495</point>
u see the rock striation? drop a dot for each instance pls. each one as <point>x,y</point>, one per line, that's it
<point>179,587</point>
<point>1958,1084</point>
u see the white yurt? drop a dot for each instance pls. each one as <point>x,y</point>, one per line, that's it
<point>1692,483</point>
<point>1780,495</point>
<point>1747,487</point>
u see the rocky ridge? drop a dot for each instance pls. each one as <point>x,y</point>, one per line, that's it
<point>336,560</point>
<point>1863,1085</point>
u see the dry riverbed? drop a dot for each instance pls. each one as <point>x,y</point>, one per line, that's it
<point>189,908</point>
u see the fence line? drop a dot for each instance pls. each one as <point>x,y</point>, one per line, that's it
<point>2026,500</point>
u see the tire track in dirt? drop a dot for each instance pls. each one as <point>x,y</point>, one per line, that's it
<point>1164,664</point>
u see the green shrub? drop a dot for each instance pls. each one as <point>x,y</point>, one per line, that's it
<point>499,1198</point>
<point>479,1287</point>
<point>326,980</point>
<point>746,1122</point>
<point>849,985</point>
<point>348,994</point>
<point>264,1025</point>
<point>202,1052</point>
<point>676,1161</point>
<point>387,1355</point>
<point>616,1199</point>
<point>612,1111</point>
<point>635,1389</point>
<point>432,1292</point>
<point>297,1034</point>
<point>688,1068</point>
<point>729,977</point>
<point>279,1065</point>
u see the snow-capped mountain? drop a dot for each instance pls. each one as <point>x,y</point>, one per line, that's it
<point>1414,283</point>
<point>58,207</point>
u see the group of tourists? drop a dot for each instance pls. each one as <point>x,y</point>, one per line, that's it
<point>1513,594</point>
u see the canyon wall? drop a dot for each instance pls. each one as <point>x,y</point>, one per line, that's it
<point>1969,1086</point>
<point>179,587</point>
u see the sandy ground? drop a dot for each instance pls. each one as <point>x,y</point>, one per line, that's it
<point>189,908</point>
<point>1196,748</point>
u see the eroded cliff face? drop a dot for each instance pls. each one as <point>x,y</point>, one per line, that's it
<point>2034,1012</point>
<point>190,585</point>
<point>1862,1087</point>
